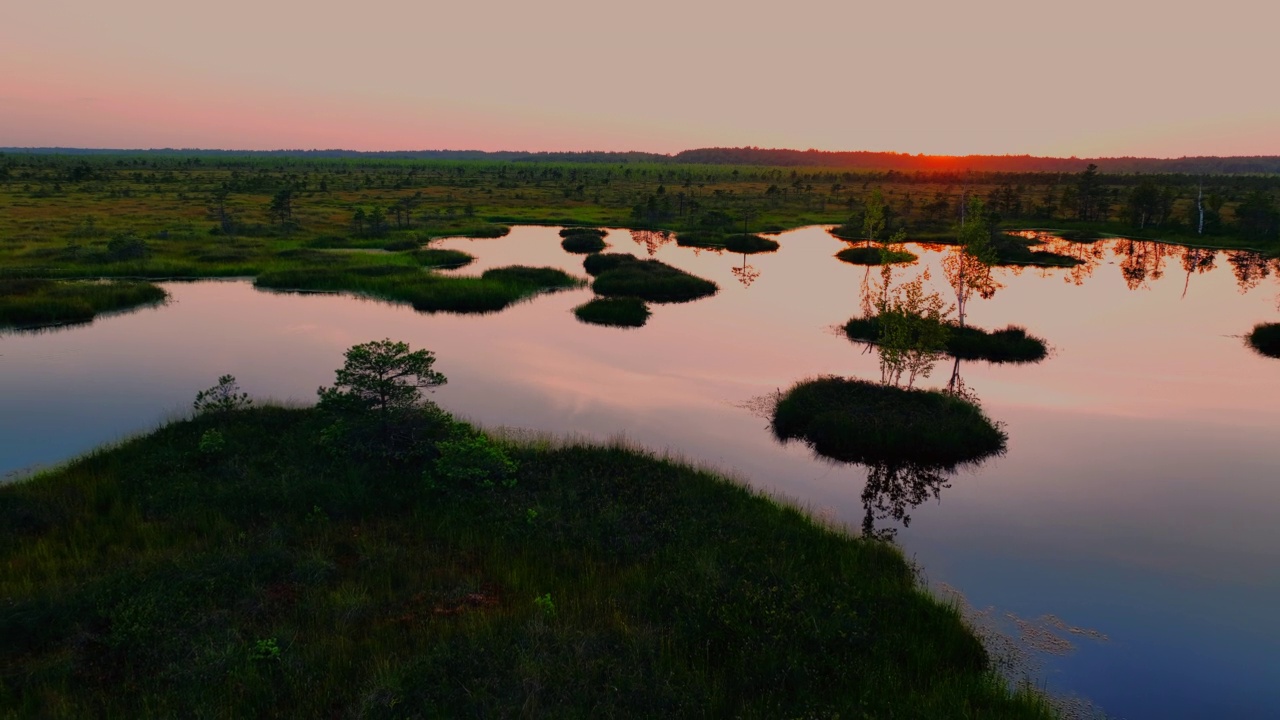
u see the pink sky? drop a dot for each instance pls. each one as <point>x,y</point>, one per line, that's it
<point>993,76</point>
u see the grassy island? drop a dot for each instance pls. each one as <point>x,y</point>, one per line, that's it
<point>614,311</point>
<point>865,422</point>
<point>1015,250</point>
<point>442,258</point>
<point>625,275</point>
<point>428,292</point>
<point>582,240</point>
<point>872,255</point>
<point>748,244</point>
<point>1265,338</point>
<point>240,565</point>
<point>34,302</point>
<point>1012,344</point>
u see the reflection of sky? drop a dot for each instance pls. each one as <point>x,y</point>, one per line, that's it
<point>1138,496</point>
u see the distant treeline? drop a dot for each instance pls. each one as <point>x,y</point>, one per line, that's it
<point>857,160</point>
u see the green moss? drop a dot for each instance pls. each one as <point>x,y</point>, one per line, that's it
<point>874,255</point>
<point>30,303</point>
<point>859,421</point>
<point>614,311</point>
<point>1265,338</point>
<point>1012,344</point>
<point>285,576</point>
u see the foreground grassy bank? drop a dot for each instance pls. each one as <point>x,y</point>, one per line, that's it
<point>240,565</point>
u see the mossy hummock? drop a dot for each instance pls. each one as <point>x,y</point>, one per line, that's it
<point>627,312</point>
<point>875,255</point>
<point>859,421</point>
<point>1012,344</point>
<point>625,275</point>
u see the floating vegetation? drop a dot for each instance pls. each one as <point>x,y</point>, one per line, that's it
<point>1265,339</point>
<point>858,421</point>
<point>614,311</point>
<point>1012,344</point>
<point>1016,250</point>
<point>33,302</point>
<point>701,239</point>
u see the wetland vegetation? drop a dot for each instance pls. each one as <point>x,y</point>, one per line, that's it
<point>35,302</point>
<point>582,240</point>
<point>285,560</point>
<point>615,311</point>
<point>625,275</point>
<point>865,422</point>
<point>1012,344</point>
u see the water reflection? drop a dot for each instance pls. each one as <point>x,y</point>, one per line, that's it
<point>893,490</point>
<point>746,274</point>
<point>652,240</point>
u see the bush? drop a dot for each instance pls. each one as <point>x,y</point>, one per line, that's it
<point>221,398</point>
<point>472,460</point>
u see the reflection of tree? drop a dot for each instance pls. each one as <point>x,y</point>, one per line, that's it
<point>894,489</point>
<point>1143,261</point>
<point>652,239</point>
<point>746,274</point>
<point>1250,268</point>
<point>1088,255</point>
<point>1197,260</point>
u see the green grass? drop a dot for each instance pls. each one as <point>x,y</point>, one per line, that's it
<point>625,275</point>
<point>874,255</point>
<point>33,303</point>
<point>748,244</point>
<point>865,422</point>
<point>615,311</point>
<point>425,291</point>
<point>582,240</point>
<point>280,576</point>
<point>1012,344</point>
<point>1265,338</point>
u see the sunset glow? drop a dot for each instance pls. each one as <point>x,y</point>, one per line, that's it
<point>994,77</point>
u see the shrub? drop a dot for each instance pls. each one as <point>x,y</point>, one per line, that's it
<point>1265,339</point>
<point>472,460</point>
<point>221,398</point>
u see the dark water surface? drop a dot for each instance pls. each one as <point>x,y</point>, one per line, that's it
<point>1139,498</point>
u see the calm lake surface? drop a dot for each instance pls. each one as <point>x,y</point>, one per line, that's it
<point>1139,499</point>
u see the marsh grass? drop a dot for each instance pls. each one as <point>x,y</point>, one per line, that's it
<point>425,291</point>
<point>625,275</point>
<point>874,255</point>
<point>284,577</point>
<point>859,421</point>
<point>442,258</point>
<point>33,303</point>
<point>1265,339</point>
<point>700,239</point>
<point>615,311</point>
<point>1012,344</point>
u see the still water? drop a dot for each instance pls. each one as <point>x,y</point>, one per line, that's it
<point>1138,502</point>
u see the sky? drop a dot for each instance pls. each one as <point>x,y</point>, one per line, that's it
<point>1085,78</point>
